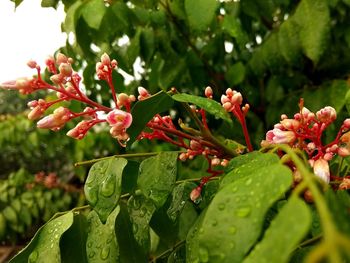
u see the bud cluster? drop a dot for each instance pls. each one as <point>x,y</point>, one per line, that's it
<point>305,130</point>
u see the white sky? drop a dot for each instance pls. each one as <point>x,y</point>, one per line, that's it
<point>30,32</point>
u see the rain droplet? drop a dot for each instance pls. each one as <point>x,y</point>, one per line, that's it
<point>232,230</point>
<point>91,254</point>
<point>52,244</point>
<point>135,228</point>
<point>203,255</point>
<point>33,257</point>
<point>258,205</point>
<point>104,253</point>
<point>107,188</point>
<point>59,223</point>
<point>91,195</point>
<point>234,189</point>
<point>214,223</point>
<point>232,245</point>
<point>221,206</point>
<point>89,244</point>
<point>109,239</point>
<point>249,181</point>
<point>243,211</point>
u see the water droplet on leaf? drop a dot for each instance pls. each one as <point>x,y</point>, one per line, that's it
<point>33,257</point>
<point>221,206</point>
<point>249,181</point>
<point>203,254</point>
<point>107,188</point>
<point>232,230</point>
<point>243,211</point>
<point>104,253</point>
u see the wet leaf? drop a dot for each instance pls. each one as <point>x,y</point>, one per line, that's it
<point>101,244</point>
<point>236,214</point>
<point>45,243</point>
<point>200,13</point>
<point>211,106</point>
<point>157,176</point>
<point>285,232</point>
<point>103,185</point>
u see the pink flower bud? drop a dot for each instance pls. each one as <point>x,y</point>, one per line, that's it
<point>32,64</point>
<point>105,59</point>
<point>196,194</point>
<point>50,64</point>
<point>36,113</point>
<point>343,152</point>
<point>123,99</point>
<point>224,99</point>
<point>328,156</point>
<point>224,162</point>
<point>114,63</point>
<point>65,69</point>
<point>144,94</point>
<point>120,119</point>
<point>57,78</point>
<point>61,58</point>
<point>227,106</point>
<point>79,131</point>
<point>290,124</point>
<point>56,120</point>
<point>276,136</point>
<point>346,123</point>
<point>183,156</point>
<point>208,92</point>
<point>215,161</point>
<point>229,92</point>
<point>237,98</point>
<point>326,115</point>
<point>321,169</point>
<point>195,145</point>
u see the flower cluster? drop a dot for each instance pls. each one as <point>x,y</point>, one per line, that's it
<point>305,130</point>
<point>66,85</point>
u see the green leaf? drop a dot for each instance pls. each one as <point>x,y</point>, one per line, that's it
<point>49,3</point>
<point>170,71</point>
<point>144,110</point>
<point>180,195</point>
<point>72,16</point>
<point>93,12</point>
<point>73,243</point>
<point>130,175</point>
<point>102,245</point>
<point>200,13</point>
<point>130,250</point>
<point>141,210</point>
<point>285,232</point>
<point>289,43</point>
<point>244,165</point>
<point>45,243</point>
<point>236,214</point>
<point>157,176</point>
<point>17,2</point>
<point>314,20</point>
<point>103,185</point>
<point>147,44</point>
<point>235,74</point>
<point>209,105</point>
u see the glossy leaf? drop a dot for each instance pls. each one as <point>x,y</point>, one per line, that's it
<point>314,32</point>
<point>247,164</point>
<point>157,176</point>
<point>101,244</point>
<point>236,214</point>
<point>211,106</point>
<point>141,210</point>
<point>144,110</point>
<point>93,12</point>
<point>285,232</point>
<point>73,242</point>
<point>130,250</point>
<point>45,243</point>
<point>235,74</point>
<point>180,195</point>
<point>103,185</point>
<point>200,13</point>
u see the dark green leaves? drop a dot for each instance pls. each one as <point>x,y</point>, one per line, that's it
<point>314,20</point>
<point>45,244</point>
<point>157,176</point>
<point>289,227</point>
<point>101,245</point>
<point>200,13</point>
<point>144,110</point>
<point>236,214</point>
<point>103,185</point>
<point>209,105</point>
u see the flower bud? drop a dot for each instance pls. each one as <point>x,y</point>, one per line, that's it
<point>32,64</point>
<point>321,169</point>
<point>65,69</point>
<point>208,92</point>
<point>345,184</point>
<point>105,59</point>
<point>326,115</point>
<point>61,58</point>
<point>195,145</point>
<point>290,124</point>
<point>144,94</point>
<point>196,194</point>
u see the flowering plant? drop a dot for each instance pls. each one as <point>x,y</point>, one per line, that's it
<point>126,197</point>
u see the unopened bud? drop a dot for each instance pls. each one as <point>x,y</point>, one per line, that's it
<point>61,58</point>
<point>208,92</point>
<point>105,59</point>
<point>65,69</point>
<point>32,64</point>
<point>195,195</point>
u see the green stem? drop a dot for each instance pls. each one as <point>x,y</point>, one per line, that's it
<point>168,251</point>
<point>129,155</point>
